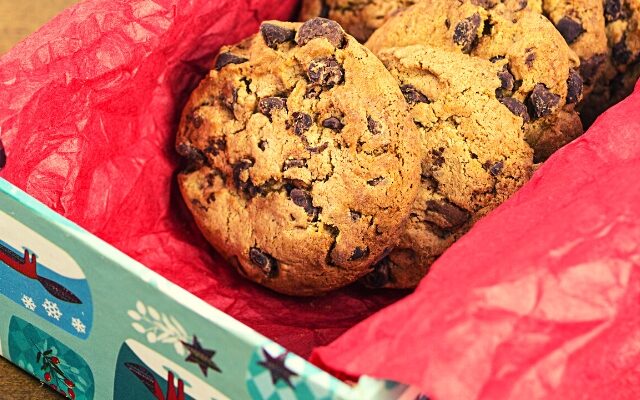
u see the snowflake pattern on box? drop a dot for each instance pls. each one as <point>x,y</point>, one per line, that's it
<point>159,327</point>
<point>275,374</point>
<point>52,309</point>
<point>28,302</point>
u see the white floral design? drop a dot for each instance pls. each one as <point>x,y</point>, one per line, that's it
<point>52,309</point>
<point>77,324</point>
<point>28,302</point>
<point>158,327</point>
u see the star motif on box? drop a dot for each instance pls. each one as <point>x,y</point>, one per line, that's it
<point>276,367</point>
<point>201,356</point>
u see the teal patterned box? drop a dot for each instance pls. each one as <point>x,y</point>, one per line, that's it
<point>95,324</point>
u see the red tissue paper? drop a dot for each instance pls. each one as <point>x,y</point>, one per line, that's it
<point>89,107</point>
<point>541,300</point>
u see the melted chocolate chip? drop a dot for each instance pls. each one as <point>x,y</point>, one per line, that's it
<point>274,35</point>
<point>359,253</point>
<point>294,163</point>
<point>321,28</point>
<point>216,145</point>
<point>375,181</point>
<point>437,157</point>
<point>318,149</point>
<point>574,87</point>
<point>613,10</point>
<point>620,53</point>
<point>355,215</point>
<point>496,168</point>
<point>541,101</point>
<point>326,72</point>
<point>495,59</point>
<point>446,215</point>
<point>247,187</point>
<point>302,198</point>
<point>333,123</point>
<point>507,80</point>
<point>531,57</point>
<point>516,107</point>
<point>569,29</point>
<point>301,123</point>
<point>264,261</point>
<point>466,33</point>
<point>194,119</point>
<point>268,105</point>
<point>413,95</point>
<point>225,59</point>
<point>522,4</point>
<point>374,126</point>
<point>192,154</point>
<point>262,144</point>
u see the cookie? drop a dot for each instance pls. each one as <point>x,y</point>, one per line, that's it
<point>542,79</point>
<point>358,17</point>
<point>622,27</point>
<point>302,158</point>
<point>474,153</point>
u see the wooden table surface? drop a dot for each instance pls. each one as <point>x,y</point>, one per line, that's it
<point>19,18</point>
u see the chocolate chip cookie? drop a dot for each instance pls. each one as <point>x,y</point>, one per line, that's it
<point>622,27</point>
<point>474,152</point>
<point>358,17</point>
<point>302,157</point>
<point>546,82</point>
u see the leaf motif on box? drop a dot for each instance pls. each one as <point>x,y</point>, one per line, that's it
<point>158,327</point>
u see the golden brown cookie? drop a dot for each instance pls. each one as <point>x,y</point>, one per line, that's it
<point>303,163</point>
<point>475,154</point>
<point>358,17</point>
<point>546,83</point>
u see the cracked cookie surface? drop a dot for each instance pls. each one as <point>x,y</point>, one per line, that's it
<point>358,17</point>
<point>474,153</point>
<point>302,168</point>
<point>546,84</point>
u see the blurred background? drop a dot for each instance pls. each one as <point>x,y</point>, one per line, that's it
<point>18,19</point>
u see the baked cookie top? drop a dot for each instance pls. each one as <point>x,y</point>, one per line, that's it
<point>303,161</point>
<point>358,17</point>
<point>543,67</point>
<point>474,153</point>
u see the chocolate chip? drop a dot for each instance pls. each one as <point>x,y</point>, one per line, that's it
<point>466,33</point>
<point>516,107</point>
<point>374,126</point>
<point>496,58</point>
<point>413,95</point>
<point>194,119</point>
<point>191,153</point>
<point>496,168</point>
<point>294,163</point>
<point>574,87</point>
<point>245,186</point>
<point>264,261</point>
<point>262,144</point>
<point>318,149</point>
<point>487,28</point>
<point>613,10</point>
<point>589,68</point>
<point>3,156</point>
<point>333,123</point>
<point>375,181</point>
<point>197,204</point>
<point>274,35</point>
<point>216,145</point>
<point>359,253</point>
<point>355,215</point>
<point>507,79</point>
<point>541,101</point>
<point>326,72</point>
<point>301,122</point>
<point>380,276</point>
<point>321,28</point>
<point>486,4</point>
<point>522,4</point>
<point>225,59</point>
<point>268,105</point>
<point>446,215</point>
<point>569,29</point>
<point>620,52</point>
<point>302,198</point>
<point>437,157</point>
<point>531,57</point>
